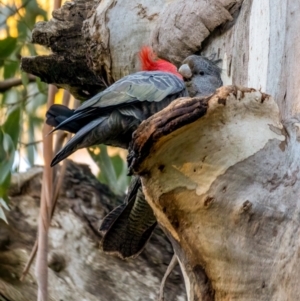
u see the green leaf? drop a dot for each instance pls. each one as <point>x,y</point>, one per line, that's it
<point>7,47</point>
<point>10,68</point>
<point>4,186</point>
<point>10,96</point>
<point>25,79</point>
<point>118,165</point>
<point>2,154</point>
<point>3,203</point>
<point>9,154</point>
<point>23,30</point>
<point>121,170</point>
<point>107,171</point>
<point>2,215</point>
<point>41,86</point>
<point>12,125</point>
<point>113,170</point>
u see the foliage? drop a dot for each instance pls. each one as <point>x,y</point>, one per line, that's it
<point>19,106</point>
<point>113,170</point>
<point>22,106</point>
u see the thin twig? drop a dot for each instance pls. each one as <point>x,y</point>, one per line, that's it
<point>103,81</point>
<point>59,181</point>
<point>30,260</point>
<point>60,137</point>
<point>30,143</point>
<point>56,187</point>
<point>14,82</point>
<point>59,141</point>
<point>170,268</point>
<point>41,269</point>
<point>14,11</point>
<point>23,100</point>
<point>55,192</point>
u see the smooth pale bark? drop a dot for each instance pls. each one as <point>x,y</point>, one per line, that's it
<point>112,33</point>
<point>238,237</point>
<point>257,40</point>
<point>226,189</point>
<point>260,51</point>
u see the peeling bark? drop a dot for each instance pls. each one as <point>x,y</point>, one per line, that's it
<point>261,49</point>
<point>221,173</point>
<point>175,116</point>
<point>77,268</point>
<point>227,194</point>
<point>97,45</point>
<point>58,70</point>
<point>184,25</point>
<point>67,67</point>
<point>116,32</point>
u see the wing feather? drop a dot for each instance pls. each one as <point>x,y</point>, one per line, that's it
<point>141,86</point>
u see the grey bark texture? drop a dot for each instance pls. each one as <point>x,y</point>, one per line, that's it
<point>95,44</point>
<point>228,199</point>
<point>78,269</point>
<point>221,173</point>
<point>67,65</point>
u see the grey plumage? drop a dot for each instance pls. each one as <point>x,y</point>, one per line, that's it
<point>111,117</point>
<point>204,77</point>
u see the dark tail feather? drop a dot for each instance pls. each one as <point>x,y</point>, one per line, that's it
<point>60,113</point>
<point>63,118</point>
<point>83,138</point>
<point>129,227</point>
<point>110,218</point>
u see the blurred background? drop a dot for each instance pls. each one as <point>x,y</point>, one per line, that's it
<point>23,100</point>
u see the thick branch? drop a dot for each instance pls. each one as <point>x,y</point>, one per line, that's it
<point>73,76</point>
<point>225,189</point>
<point>179,113</point>
<point>184,25</point>
<point>95,45</point>
<point>67,67</point>
<point>77,268</point>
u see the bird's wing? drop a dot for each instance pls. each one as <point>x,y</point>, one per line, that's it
<point>79,140</point>
<point>151,86</point>
<point>141,86</point>
<point>76,117</point>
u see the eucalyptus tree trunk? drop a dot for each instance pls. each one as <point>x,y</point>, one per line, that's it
<point>220,173</point>
<point>77,268</point>
<point>225,188</point>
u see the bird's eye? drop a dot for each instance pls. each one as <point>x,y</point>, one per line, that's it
<point>201,73</point>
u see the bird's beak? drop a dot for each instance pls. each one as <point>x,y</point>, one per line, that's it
<point>185,71</point>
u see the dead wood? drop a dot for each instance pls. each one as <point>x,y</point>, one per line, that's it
<point>77,267</point>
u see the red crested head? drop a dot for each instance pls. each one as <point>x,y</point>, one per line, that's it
<point>149,62</point>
